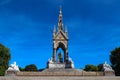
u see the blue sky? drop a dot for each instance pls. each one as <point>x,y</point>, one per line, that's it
<point>26,27</point>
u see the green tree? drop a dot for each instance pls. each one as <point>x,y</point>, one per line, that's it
<point>90,67</point>
<point>4,59</point>
<point>115,60</point>
<point>21,69</point>
<point>31,67</point>
<point>100,67</point>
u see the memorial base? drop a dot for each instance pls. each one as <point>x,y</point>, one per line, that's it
<point>109,73</point>
<point>59,65</point>
<point>11,73</point>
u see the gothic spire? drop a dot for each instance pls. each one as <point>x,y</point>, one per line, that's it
<point>54,29</point>
<point>66,30</point>
<point>60,24</point>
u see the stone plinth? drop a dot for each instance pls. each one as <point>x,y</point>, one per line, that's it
<point>12,70</point>
<point>69,65</point>
<point>109,73</point>
<point>56,65</point>
<point>60,65</point>
<point>11,73</point>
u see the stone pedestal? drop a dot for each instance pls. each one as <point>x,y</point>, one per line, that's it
<point>12,70</point>
<point>51,64</point>
<point>109,73</point>
<point>11,73</point>
<point>70,65</point>
<point>60,65</point>
<point>55,65</point>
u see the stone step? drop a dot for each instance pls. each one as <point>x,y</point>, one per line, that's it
<point>62,70</point>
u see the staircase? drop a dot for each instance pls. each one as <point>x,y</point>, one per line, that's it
<point>62,70</point>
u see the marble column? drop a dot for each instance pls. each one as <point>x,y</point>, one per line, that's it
<point>54,55</point>
<point>66,55</point>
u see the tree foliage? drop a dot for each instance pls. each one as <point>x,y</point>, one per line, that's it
<point>21,69</point>
<point>4,59</point>
<point>90,67</point>
<point>31,67</point>
<point>115,60</point>
<point>100,67</point>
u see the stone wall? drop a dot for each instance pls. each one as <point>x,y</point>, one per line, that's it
<point>81,73</point>
<point>58,78</point>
